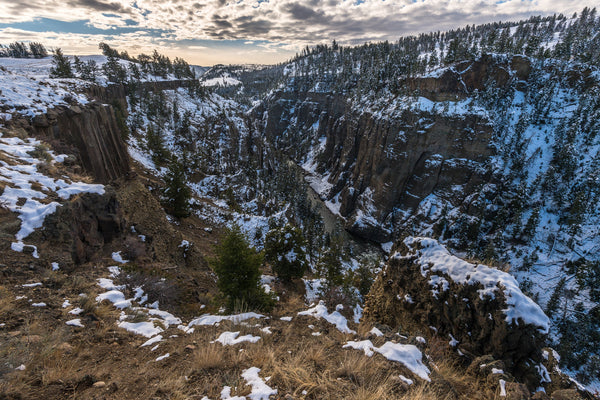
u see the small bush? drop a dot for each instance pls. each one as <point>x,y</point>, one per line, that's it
<point>40,152</point>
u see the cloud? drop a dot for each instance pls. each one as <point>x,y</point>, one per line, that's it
<point>98,6</point>
<point>307,21</point>
<point>293,23</point>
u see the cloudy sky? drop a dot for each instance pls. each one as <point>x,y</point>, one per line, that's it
<point>206,32</point>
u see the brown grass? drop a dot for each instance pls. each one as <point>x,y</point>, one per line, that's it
<point>300,365</point>
<point>210,358</point>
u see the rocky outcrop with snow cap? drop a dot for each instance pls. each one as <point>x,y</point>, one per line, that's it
<point>480,310</point>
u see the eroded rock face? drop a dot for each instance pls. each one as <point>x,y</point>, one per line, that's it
<point>380,166</point>
<point>85,225</point>
<point>90,132</point>
<point>467,76</point>
<point>480,310</point>
<point>94,136</point>
<point>376,164</point>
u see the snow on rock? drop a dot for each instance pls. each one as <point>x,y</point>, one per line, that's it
<point>435,258</point>
<point>162,357</point>
<point>407,354</point>
<point>260,390</point>
<point>42,304</point>
<point>231,338</point>
<point>75,322</point>
<point>335,318</point>
<point>23,180</point>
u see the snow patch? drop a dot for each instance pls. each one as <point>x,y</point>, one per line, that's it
<point>406,354</point>
<point>231,338</point>
<point>335,318</point>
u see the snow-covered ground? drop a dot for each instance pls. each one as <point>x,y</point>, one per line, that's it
<point>23,179</point>
<point>26,86</point>
<point>27,89</point>
<point>224,80</point>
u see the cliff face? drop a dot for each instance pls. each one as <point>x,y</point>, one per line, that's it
<point>90,132</point>
<point>466,77</point>
<point>480,311</point>
<point>377,164</point>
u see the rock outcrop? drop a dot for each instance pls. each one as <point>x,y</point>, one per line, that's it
<point>464,78</point>
<point>82,227</point>
<point>376,165</point>
<point>89,132</point>
<point>480,310</point>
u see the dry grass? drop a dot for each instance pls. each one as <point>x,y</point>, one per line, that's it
<point>211,358</point>
<point>300,365</point>
<point>6,301</point>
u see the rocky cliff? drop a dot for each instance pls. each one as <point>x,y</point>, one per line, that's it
<point>90,132</point>
<point>371,165</point>
<point>478,310</point>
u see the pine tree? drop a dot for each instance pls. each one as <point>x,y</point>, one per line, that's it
<point>177,193</point>
<point>285,250</point>
<point>18,50</point>
<point>61,66</point>
<point>114,71</point>
<point>156,145</point>
<point>86,70</point>
<point>38,50</point>
<point>330,265</point>
<point>237,266</point>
